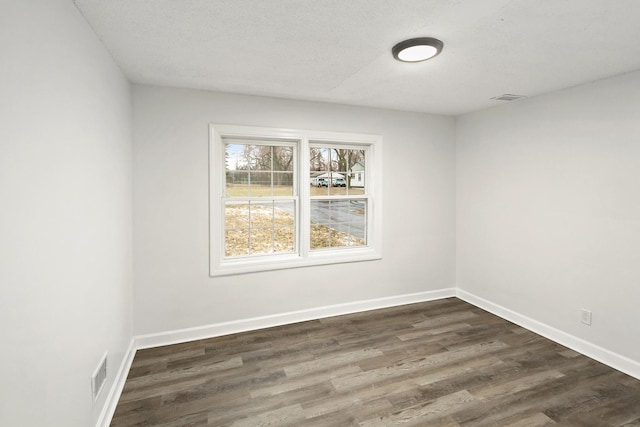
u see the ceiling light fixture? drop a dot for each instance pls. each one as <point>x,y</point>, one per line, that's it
<point>418,49</point>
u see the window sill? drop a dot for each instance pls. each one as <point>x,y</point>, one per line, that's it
<point>280,262</point>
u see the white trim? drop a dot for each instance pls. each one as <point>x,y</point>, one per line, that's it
<point>113,397</point>
<point>609,358</point>
<point>287,261</point>
<point>244,325</point>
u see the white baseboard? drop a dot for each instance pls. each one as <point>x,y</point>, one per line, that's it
<point>609,358</point>
<point>109,407</point>
<point>244,325</point>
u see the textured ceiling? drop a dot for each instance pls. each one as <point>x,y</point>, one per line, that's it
<point>340,50</point>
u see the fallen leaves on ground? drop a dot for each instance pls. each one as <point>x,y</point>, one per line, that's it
<point>272,231</point>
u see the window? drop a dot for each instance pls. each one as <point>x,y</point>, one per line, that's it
<point>288,198</point>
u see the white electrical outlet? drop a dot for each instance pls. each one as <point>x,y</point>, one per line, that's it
<point>585,317</point>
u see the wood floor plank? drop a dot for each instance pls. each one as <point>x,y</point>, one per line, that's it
<point>536,419</point>
<point>516,385</point>
<point>344,412</point>
<point>288,385</point>
<point>426,412</point>
<point>286,416</point>
<point>439,363</point>
<point>411,366</point>
<point>332,361</point>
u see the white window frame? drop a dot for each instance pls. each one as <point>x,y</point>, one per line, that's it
<point>221,266</point>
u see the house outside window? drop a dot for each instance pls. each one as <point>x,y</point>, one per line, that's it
<point>283,198</point>
<point>357,174</point>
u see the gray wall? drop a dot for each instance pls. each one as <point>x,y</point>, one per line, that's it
<point>65,214</point>
<point>173,289</point>
<point>548,209</point>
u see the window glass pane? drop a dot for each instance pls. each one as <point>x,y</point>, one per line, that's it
<point>318,191</point>
<point>284,239</point>
<point>259,157</point>
<point>283,183</point>
<point>261,215</point>
<point>260,184</point>
<point>318,171</point>
<point>236,229</point>
<point>237,184</point>
<point>283,159</point>
<point>333,160</point>
<point>236,215</point>
<point>261,240</point>
<point>340,159</point>
<point>356,191</point>
<point>319,185</point>
<point>338,238</point>
<point>337,183</point>
<point>236,242</point>
<point>284,226</point>
<point>338,223</point>
<point>235,158</point>
<point>283,214</point>
<point>318,159</point>
<point>356,172</point>
<point>320,237</point>
<point>236,171</point>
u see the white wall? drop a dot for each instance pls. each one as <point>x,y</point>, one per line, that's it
<point>65,214</point>
<point>548,209</point>
<point>173,289</point>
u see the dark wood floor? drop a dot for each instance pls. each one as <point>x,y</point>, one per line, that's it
<point>441,363</point>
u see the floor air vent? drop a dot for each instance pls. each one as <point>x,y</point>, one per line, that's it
<point>508,97</point>
<point>99,377</point>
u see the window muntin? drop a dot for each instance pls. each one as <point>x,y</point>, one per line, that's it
<point>266,212</point>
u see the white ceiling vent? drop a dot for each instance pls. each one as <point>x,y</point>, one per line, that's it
<point>508,97</point>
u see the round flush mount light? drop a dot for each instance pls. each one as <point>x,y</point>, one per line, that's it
<point>418,49</point>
